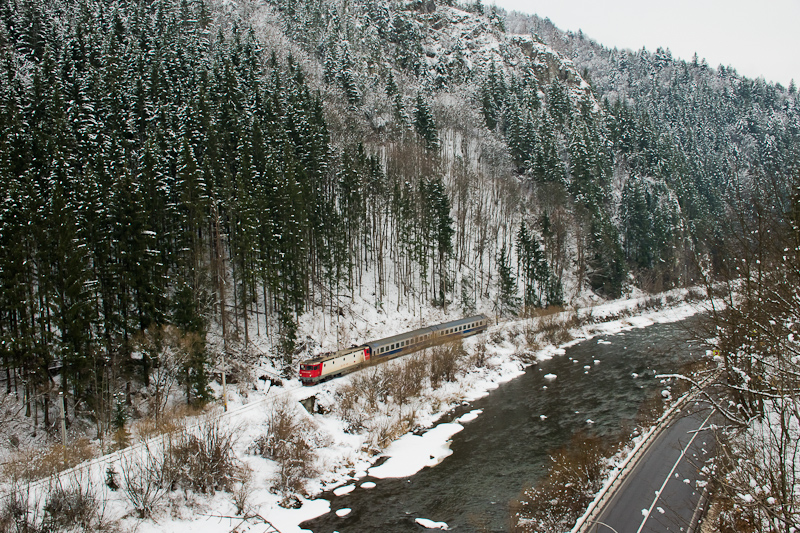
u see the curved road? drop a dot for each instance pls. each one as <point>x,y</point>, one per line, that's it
<point>661,492</point>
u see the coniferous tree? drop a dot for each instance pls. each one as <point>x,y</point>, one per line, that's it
<point>507,299</point>
<point>424,124</point>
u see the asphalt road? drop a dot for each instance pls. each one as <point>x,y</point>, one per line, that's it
<point>661,493</point>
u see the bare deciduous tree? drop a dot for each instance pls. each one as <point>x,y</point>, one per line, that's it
<point>166,349</point>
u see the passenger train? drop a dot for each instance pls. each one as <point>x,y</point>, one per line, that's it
<point>333,364</point>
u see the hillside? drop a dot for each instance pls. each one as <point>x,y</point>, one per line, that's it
<point>183,180</point>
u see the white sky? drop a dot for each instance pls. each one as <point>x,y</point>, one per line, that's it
<point>756,37</point>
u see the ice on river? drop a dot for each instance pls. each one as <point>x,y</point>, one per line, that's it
<point>430,524</point>
<point>341,491</point>
<point>411,453</point>
<point>469,417</point>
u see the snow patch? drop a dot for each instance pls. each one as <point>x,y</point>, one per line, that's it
<point>469,417</point>
<point>411,453</point>
<point>341,491</point>
<point>430,524</point>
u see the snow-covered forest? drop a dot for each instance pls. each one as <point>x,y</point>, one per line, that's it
<point>183,181</point>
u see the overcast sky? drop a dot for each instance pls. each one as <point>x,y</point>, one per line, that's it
<point>757,38</point>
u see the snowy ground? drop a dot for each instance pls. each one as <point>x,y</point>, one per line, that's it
<point>343,459</point>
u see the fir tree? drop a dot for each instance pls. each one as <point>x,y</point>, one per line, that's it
<point>424,124</point>
<point>507,299</point>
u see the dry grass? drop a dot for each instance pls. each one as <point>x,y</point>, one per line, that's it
<point>555,330</point>
<point>384,431</point>
<point>30,464</point>
<point>538,312</point>
<point>171,420</point>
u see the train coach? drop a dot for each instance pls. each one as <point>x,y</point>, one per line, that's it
<point>333,364</point>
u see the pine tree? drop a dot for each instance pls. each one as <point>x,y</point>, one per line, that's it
<point>507,299</point>
<point>424,124</point>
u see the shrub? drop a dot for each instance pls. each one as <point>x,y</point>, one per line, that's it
<point>560,498</point>
<point>497,336</point>
<point>350,408</point>
<point>68,505</point>
<point>288,442</point>
<point>405,379</point>
<point>372,385</point>
<point>556,331</point>
<point>20,512</point>
<point>241,490</point>
<point>145,479</point>
<point>72,505</point>
<point>202,458</point>
<point>444,363</point>
<point>384,430</point>
<point>478,359</point>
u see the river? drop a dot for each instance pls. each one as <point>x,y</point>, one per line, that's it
<point>599,383</point>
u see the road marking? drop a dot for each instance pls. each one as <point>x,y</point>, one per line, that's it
<point>680,458</point>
